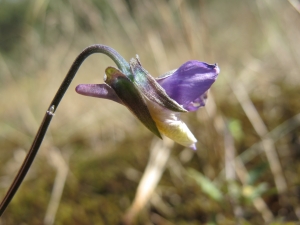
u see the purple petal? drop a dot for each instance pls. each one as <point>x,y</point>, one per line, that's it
<point>197,103</point>
<point>98,91</point>
<point>189,84</point>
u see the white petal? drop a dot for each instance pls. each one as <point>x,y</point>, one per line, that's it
<point>170,125</point>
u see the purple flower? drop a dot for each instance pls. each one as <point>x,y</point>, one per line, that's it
<point>188,85</point>
<point>158,102</point>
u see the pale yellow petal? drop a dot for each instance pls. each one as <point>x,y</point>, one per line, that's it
<point>171,126</point>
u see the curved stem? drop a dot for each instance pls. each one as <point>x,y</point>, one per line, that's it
<point>122,65</point>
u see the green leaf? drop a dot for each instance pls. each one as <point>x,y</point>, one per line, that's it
<point>150,88</point>
<point>206,185</point>
<point>131,97</point>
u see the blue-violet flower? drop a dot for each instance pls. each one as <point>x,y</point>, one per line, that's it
<point>157,103</point>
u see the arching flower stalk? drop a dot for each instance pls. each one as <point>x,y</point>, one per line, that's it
<point>157,103</point>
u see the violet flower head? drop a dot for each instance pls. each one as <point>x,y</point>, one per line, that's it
<point>189,84</point>
<point>158,103</point>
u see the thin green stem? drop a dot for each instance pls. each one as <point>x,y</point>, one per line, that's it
<point>122,65</point>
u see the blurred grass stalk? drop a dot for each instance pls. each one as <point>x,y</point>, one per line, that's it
<point>261,129</point>
<point>235,166</point>
<point>58,161</point>
<point>296,4</point>
<point>159,154</point>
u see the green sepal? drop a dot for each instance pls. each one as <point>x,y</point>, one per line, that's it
<point>151,89</point>
<point>131,97</point>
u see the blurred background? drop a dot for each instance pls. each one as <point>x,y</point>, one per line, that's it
<point>246,169</point>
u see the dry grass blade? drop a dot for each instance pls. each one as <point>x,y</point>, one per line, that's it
<point>58,162</point>
<point>159,155</point>
<point>234,165</point>
<point>159,52</point>
<point>261,129</point>
<point>295,4</point>
<point>230,173</point>
<point>276,134</point>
